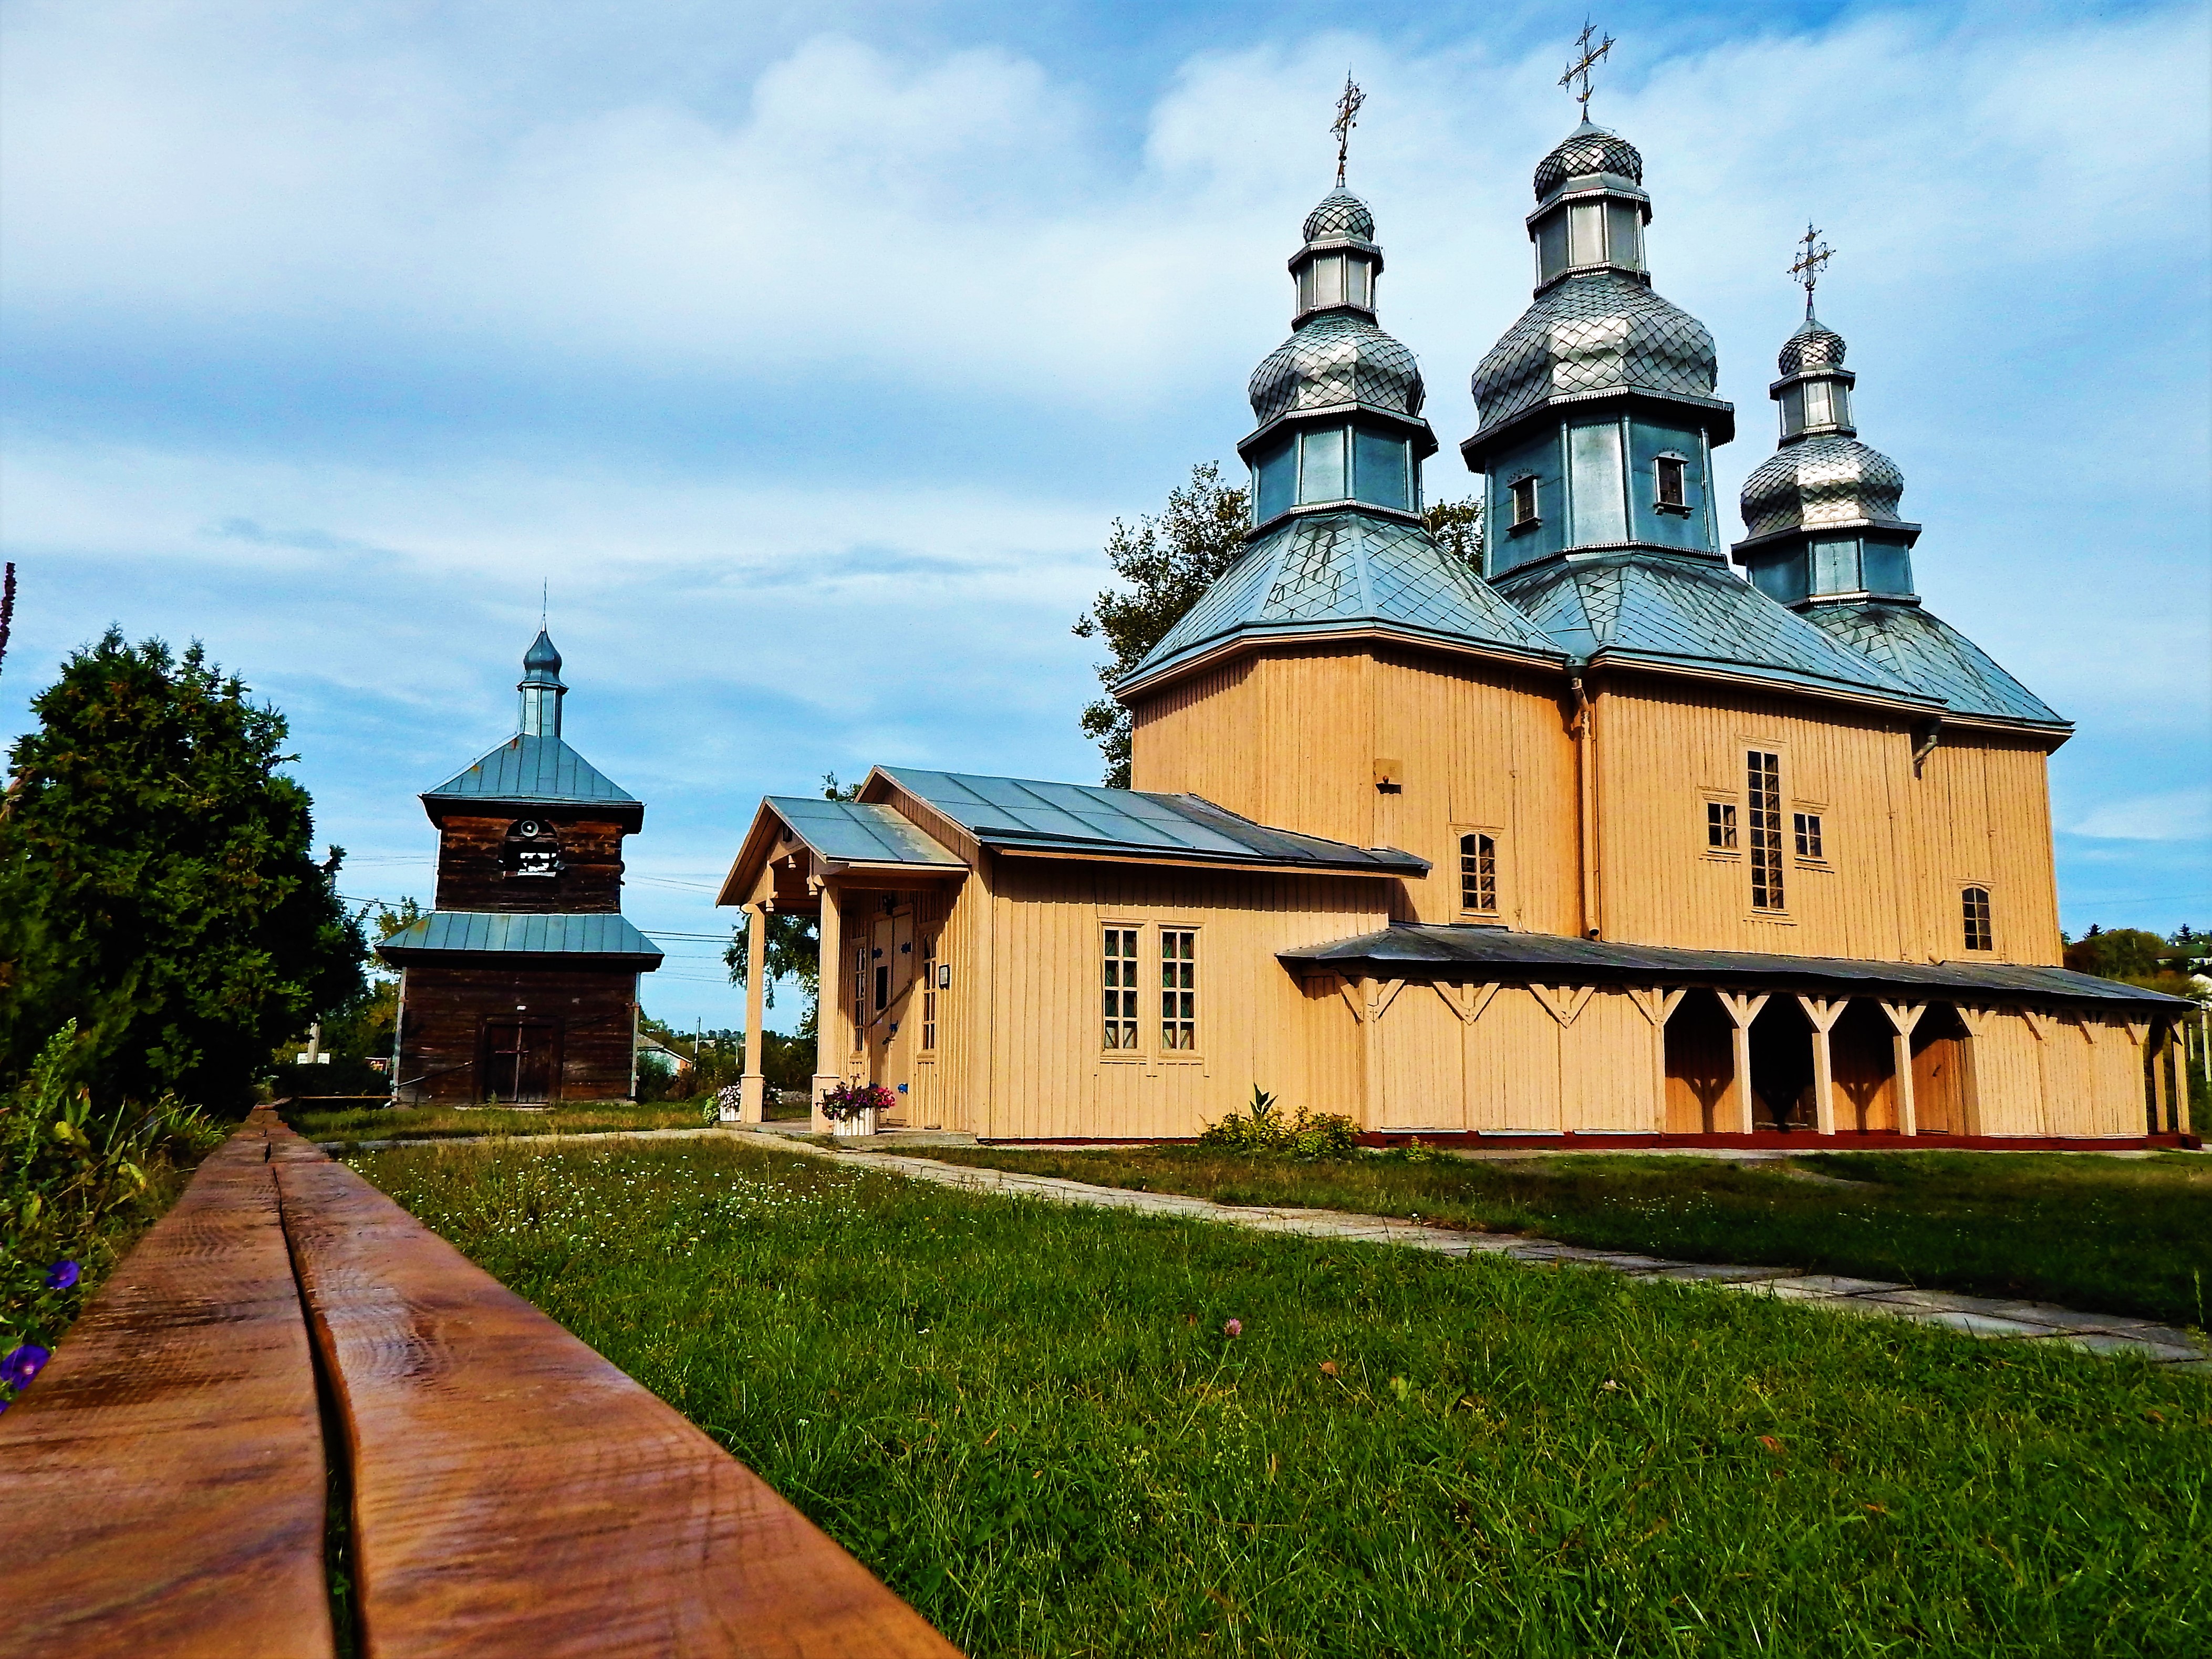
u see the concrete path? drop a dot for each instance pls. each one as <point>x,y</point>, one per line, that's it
<point>1975,1315</point>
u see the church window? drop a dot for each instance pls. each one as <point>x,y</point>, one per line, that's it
<point>1478,874</point>
<point>1275,479</point>
<point>1623,228</point>
<point>1979,934</point>
<point>1763,805</point>
<point>1720,825</point>
<point>1329,280</point>
<point>1887,567</point>
<point>1178,988</point>
<point>1120,977</point>
<point>1321,475</point>
<point>1670,473</point>
<point>1551,247</point>
<point>1524,501</point>
<point>1358,282</point>
<point>929,996</point>
<point>1586,234</point>
<point>1793,410</point>
<point>1839,403</point>
<point>1379,469</point>
<point>1816,402</point>
<point>1808,835</point>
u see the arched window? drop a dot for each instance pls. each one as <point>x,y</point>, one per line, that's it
<point>1977,906</point>
<point>1478,874</point>
<point>532,848</point>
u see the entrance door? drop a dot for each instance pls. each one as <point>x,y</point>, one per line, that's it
<point>521,1061</point>
<point>891,1028</point>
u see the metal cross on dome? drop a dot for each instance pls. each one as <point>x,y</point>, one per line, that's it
<point>1812,259</point>
<point>1583,65</point>
<point>1348,116</point>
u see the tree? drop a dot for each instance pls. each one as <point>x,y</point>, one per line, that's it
<point>156,883</point>
<point>1456,527</point>
<point>1168,561</point>
<point>794,948</point>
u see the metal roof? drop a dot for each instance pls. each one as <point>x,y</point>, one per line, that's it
<point>1924,651</point>
<point>1343,572</point>
<point>603,935</point>
<point>1406,950</point>
<point>1601,331</point>
<point>1688,613</point>
<point>860,832</point>
<point>532,769</point>
<point>1019,814</point>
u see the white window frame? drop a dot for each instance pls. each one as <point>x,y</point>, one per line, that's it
<point>1197,992</point>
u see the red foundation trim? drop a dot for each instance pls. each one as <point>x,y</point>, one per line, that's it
<point>1877,1140</point>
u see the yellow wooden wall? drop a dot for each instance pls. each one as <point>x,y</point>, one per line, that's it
<point>1980,813</point>
<point>1292,739</point>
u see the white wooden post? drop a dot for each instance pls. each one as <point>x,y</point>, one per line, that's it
<point>831,1038</point>
<point>1742,1010</point>
<point>1903,1016</point>
<point>752,1088</point>
<point>1824,1013</point>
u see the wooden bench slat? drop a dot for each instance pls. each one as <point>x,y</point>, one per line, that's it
<point>164,1476</point>
<point>515,1493</point>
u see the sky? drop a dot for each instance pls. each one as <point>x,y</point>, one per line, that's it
<point>801,355</point>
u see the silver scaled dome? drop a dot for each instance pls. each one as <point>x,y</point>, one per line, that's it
<point>1589,148</point>
<point>1340,215</point>
<point>1831,480</point>
<point>1597,332</point>
<point>1813,346</point>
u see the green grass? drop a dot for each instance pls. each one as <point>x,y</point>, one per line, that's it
<point>1028,1418</point>
<point>447,1122</point>
<point>2106,1234</point>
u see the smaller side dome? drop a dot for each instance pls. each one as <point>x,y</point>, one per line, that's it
<point>1338,216</point>
<point>541,654</point>
<point>1822,480</point>
<point>1589,148</point>
<point>1338,357</point>
<point>1813,346</point>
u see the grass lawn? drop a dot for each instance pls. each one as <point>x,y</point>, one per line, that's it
<point>1030,1420</point>
<point>444,1122</point>
<point>2103,1234</point>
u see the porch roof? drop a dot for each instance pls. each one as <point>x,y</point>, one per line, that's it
<point>600,937</point>
<point>1021,815</point>
<point>1415,949</point>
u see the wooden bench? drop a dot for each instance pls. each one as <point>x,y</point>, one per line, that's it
<point>512,1493</point>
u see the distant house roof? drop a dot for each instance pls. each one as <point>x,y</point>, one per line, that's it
<point>530,771</point>
<point>1924,650</point>
<point>1348,573</point>
<point>1686,613</point>
<point>1406,949</point>
<point>603,938</point>
<point>1021,815</point>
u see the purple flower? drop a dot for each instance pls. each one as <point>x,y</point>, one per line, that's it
<point>23,1364</point>
<point>61,1275</point>
<point>1234,1327</point>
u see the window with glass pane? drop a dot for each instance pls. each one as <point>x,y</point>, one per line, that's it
<point>1358,282</point>
<point>1595,502</point>
<point>859,990</point>
<point>1670,470</point>
<point>1121,988</point>
<point>1839,403</point>
<point>1624,225</point>
<point>1793,410</point>
<point>1179,988</point>
<point>1816,404</point>
<point>1720,824</point>
<point>1808,835</point>
<point>1328,279</point>
<point>1552,247</point>
<point>1836,567</point>
<point>1586,234</point>
<point>1763,810</point>
<point>1306,286</point>
<point>1379,464</point>
<point>1275,475</point>
<point>928,996</point>
<point>1887,568</point>
<point>1478,874</point>
<point>1321,477</point>
<point>1524,501</point>
<point>1979,936</point>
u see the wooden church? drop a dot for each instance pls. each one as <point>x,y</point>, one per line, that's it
<point>1603,843</point>
<point>521,986</point>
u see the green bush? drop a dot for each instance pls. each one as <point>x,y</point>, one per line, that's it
<point>1266,1128</point>
<point>74,1186</point>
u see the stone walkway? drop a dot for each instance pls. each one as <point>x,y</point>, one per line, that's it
<point>1975,1315</point>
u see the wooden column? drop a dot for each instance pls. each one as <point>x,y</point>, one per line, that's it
<point>1742,1010</point>
<point>1903,1016</point>
<point>2161,1085</point>
<point>1657,1004</point>
<point>832,1040</point>
<point>2181,1082</point>
<point>752,1088</point>
<point>1824,1013</point>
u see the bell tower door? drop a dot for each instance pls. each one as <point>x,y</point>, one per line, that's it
<point>520,1062</point>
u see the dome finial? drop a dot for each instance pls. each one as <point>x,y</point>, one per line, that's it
<point>1812,258</point>
<point>1583,65</point>
<point>1348,116</point>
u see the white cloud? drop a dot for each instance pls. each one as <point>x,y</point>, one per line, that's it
<point>2172,815</point>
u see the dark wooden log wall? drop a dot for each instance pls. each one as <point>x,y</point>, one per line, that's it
<point>445,1008</point>
<point>470,875</point>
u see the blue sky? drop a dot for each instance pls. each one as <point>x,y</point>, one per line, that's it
<point>803,352</point>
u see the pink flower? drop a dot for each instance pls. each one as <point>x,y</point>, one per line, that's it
<point>1234,1327</point>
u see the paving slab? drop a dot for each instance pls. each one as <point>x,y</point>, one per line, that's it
<point>1805,1287</point>
<point>1718,1272</point>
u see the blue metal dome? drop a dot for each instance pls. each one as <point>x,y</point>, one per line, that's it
<point>541,658</point>
<point>1336,358</point>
